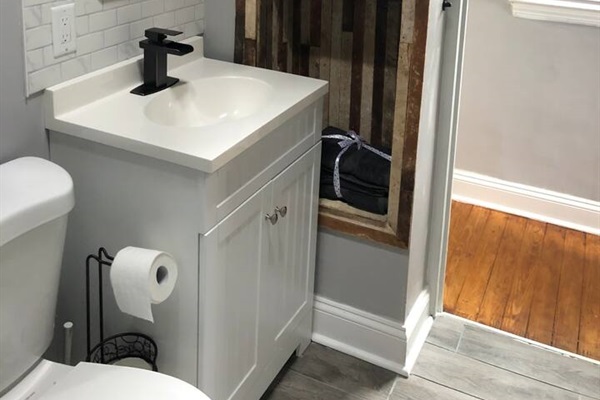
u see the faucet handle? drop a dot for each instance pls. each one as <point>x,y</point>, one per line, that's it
<point>157,35</point>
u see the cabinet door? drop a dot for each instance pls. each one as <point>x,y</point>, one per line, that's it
<point>231,255</point>
<point>288,273</point>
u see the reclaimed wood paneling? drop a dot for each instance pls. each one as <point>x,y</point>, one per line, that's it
<point>353,44</point>
<point>372,53</point>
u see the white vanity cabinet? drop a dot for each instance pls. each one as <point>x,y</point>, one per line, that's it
<point>243,300</point>
<point>199,190</point>
<point>256,284</point>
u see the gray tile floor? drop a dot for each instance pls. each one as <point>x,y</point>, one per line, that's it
<point>459,361</point>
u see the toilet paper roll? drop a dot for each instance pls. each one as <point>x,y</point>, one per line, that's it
<point>140,278</point>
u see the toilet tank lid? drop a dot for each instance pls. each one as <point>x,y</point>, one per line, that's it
<point>33,191</point>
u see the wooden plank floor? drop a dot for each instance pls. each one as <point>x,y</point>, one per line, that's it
<point>526,277</point>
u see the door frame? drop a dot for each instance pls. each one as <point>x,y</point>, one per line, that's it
<point>445,150</point>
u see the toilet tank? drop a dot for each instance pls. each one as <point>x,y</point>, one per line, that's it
<point>35,198</point>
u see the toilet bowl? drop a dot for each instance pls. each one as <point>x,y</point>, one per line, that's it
<point>88,381</point>
<point>36,197</point>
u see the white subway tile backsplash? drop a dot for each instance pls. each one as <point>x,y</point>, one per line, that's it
<point>137,28</point>
<point>87,6</point>
<point>173,4</point>
<point>44,78</point>
<point>38,37</point>
<point>129,49</point>
<point>116,35</point>
<point>199,27</point>
<point>28,3</point>
<point>35,60</point>
<point>103,20</point>
<point>187,3</point>
<point>192,28</point>
<point>185,15</point>
<point>199,12</point>
<point>152,7</point>
<point>49,58</point>
<point>90,43</point>
<point>47,10</point>
<point>104,58</point>
<point>110,4</point>
<point>166,20</point>
<point>76,67</point>
<point>32,17</point>
<point>82,25</point>
<point>129,13</point>
<point>107,31</point>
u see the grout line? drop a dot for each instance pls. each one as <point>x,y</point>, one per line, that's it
<point>450,388</point>
<point>393,388</point>
<point>462,333</point>
<point>327,384</point>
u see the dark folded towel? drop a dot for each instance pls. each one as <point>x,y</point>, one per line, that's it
<point>353,184</point>
<point>362,164</point>
<point>373,204</point>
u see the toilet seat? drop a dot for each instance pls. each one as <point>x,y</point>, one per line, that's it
<point>91,381</point>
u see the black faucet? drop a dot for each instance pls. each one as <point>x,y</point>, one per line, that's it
<point>156,49</point>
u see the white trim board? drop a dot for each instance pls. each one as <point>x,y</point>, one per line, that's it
<point>372,338</point>
<point>527,201</point>
<point>580,12</point>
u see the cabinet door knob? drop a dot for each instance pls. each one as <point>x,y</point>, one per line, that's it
<point>271,218</point>
<point>282,211</point>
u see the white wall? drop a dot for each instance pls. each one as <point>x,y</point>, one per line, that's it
<point>219,29</point>
<point>21,123</point>
<point>361,274</point>
<point>530,111</point>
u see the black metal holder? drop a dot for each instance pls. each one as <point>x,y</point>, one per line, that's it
<point>116,347</point>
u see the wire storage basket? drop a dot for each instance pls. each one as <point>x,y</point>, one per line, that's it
<point>118,347</point>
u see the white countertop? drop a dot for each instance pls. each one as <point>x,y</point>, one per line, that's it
<point>99,107</point>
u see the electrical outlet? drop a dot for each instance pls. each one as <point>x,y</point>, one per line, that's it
<point>63,29</point>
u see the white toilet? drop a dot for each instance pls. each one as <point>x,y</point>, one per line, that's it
<point>35,199</point>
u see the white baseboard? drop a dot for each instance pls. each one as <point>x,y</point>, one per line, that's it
<point>527,201</point>
<point>372,338</point>
<point>580,12</point>
<point>417,327</point>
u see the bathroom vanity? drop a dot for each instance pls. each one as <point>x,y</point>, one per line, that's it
<point>221,171</point>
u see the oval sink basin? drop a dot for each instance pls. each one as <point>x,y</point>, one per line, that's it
<point>208,101</point>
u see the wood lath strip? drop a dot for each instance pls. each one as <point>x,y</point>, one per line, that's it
<point>325,52</point>
<point>392,39</point>
<point>240,30</point>
<point>378,73</point>
<point>358,29</point>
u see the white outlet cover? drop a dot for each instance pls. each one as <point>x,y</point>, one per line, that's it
<point>63,29</point>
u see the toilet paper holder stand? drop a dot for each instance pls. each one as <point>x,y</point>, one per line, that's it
<point>116,347</point>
